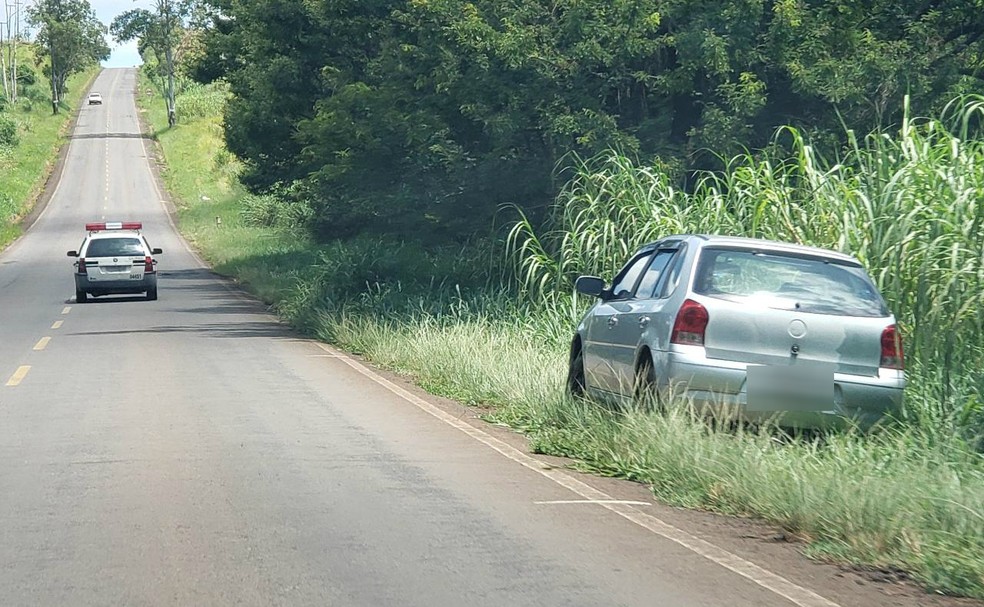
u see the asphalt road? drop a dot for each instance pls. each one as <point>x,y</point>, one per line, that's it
<point>193,451</point>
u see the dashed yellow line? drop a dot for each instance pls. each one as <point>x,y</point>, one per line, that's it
<point>42,344</point>
<point>18,376</point>
<point>58,324</point>
<point>67,310</point>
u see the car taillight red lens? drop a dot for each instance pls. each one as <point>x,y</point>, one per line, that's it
<point>690,324</point>
<point>892,356</point>
<point>148,264</point>
<point>82,265</point>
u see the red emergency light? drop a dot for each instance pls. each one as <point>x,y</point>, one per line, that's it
<point>113,225</point>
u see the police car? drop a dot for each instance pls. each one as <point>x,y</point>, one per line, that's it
<point>115,258</point>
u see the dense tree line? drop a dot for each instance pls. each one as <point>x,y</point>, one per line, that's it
<point>426,116</point>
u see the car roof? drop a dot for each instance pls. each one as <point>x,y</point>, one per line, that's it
<point>705,240</point>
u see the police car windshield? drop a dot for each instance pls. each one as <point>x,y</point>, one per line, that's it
<point>115,247</point>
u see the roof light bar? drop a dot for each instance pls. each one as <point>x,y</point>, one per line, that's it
<point>113,225</point>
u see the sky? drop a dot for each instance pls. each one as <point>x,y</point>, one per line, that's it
<point>123,55</point>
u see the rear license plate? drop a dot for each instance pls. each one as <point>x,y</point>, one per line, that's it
<point>136,276</point>
<point>798,387</point>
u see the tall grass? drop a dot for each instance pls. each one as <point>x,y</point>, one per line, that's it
<point>910,205</point>
<point>202,100</point>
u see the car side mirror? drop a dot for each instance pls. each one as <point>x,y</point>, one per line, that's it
<point>590,285</point>
<point>73,253</point>
<point>156,252</point>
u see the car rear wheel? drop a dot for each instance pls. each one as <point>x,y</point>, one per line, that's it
<point>575,374</point>
<point>646,394</point>
<point>81,296</point>
<point>152,294</point>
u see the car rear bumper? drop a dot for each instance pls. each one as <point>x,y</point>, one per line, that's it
<point>720,386</point>
<point>115,287</point>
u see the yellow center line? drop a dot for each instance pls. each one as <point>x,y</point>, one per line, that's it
<point>18,376</point>
<point>67,310</point>
<point>42,344</point>
<point>58,324</point>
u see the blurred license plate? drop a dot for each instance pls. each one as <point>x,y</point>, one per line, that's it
<point>798,387</point>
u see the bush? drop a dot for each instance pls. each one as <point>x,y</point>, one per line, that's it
<point>274,211</point>
<point>26,75</point>
<point>202,101</point>
<point>8,131</point>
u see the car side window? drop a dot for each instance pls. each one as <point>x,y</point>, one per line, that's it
<point>655,271</point>
<point>672,275</point>
<point>626,280</point>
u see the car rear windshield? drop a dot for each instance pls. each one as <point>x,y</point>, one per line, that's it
<point>115,247</point>
<point>786,281</point>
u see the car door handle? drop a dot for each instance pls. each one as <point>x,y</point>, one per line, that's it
<point>643,322</point>
<point>612,322</point>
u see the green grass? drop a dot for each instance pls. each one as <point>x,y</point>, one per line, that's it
<point>25,167</point>
<point>909,496</point>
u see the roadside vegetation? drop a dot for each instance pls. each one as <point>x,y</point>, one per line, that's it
<point>30,138</point>
<point>487,321</point>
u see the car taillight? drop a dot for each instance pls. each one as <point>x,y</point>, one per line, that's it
<point>82,265</point>
<point>690,324</point>
<point>892,356</point>
<point>148,264</point>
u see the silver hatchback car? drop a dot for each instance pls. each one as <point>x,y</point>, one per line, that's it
<point>764,330</point>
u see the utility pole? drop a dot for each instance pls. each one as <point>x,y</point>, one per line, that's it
<point>167,18</point>
<point>3,49</point>
<point>8,51</point>
<point>54,72</point>
<point>14,42</point>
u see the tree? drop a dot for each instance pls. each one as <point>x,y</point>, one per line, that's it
<point>158,31</point>
<point>71,38</point>
<point>427,116</point>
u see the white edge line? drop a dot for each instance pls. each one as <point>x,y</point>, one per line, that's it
<point>591,502</point>
<point>773,582</point>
